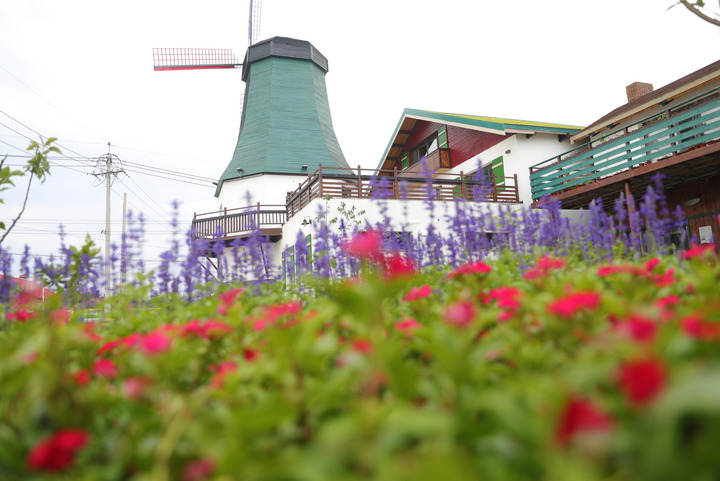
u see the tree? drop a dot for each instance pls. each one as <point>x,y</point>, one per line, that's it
<point>38,166</point>
<point>699,8</point>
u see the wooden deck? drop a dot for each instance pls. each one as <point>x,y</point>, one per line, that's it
<point>686,131</point>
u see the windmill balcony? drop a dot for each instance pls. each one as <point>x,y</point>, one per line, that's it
<point>681,134</point>
<point>357,183</point>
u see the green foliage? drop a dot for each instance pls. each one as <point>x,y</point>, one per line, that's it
<point>338,384</point>
<point>38,166</point>
<point>73,276</point>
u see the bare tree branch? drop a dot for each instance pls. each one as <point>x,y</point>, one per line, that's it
<point>16,219</point>
<point>694,8</point>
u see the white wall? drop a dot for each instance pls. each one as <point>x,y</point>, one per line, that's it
<point>524,153</point>
<point>267,189</point>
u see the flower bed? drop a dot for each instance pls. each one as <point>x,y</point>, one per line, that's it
<point>566,369</point>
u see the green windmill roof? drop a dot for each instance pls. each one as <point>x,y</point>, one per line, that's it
<point>286,120</point>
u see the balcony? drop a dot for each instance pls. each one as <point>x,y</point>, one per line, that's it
<point>680,134</point>
<point>352,184</point>
<point>394,184</point>
<point>241,222</point>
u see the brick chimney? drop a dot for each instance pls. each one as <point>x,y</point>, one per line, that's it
<point>637,89</point>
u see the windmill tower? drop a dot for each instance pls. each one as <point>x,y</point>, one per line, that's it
<point>286,129</point>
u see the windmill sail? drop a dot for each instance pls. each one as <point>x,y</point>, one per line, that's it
<point>193,59</point>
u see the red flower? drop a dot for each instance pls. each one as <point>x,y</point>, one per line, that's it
<point>697,328</point>
<point>580,416</point>
<point>418,293</point>
<point>703,250</point>
<point>227,299</point>
<point>81,378</point>
<point>207,330</point>
<point>543,267</point>
<point>362,345</point>
<point>57,452</point>
<point>221,370</point>
<point>250,354</point>
<point>638,328</point>
<point>105,368</point>
<point>478,267</point>
<point>407,324</point>
<point>60,316</point>
<point>155,342</point>
<point>507,297</point>
<point>573,303</point>
<point>365,245</point>
<point>198,470</point>
<point>641,380</point>
<point>460,313</point>
<point>21,315</point>
<point>397,265</point>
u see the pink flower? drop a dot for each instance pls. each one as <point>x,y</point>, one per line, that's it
<point>397,265</point>
<point>133,387</point>
<point>638,328</point>
<point>641,380</point>
<point>580,416</point>
<point>543,266</point>
<point>407,325</point>
<point>227,299</point>
<point>105,368</point>
<point>21,315</point>
<point>478,267</point>
<point>362,345</point>
<point>697,328</point>
<point>198,470</point>
<point>57,452</point>
<point>460,313</point>
<point>703,250</point>
<point>418,293</point>
<point>573,303</point>
<point>155,343</point>
<point>507,297</point>
<point>365,245</point>
<point>221,371</point>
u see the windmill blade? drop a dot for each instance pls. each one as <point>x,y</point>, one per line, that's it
<point>254,21</point>
<point>193,59</point>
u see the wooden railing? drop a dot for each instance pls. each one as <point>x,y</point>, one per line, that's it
<point>359,183</point>
<point>243,220</point>
<point>692,124</point>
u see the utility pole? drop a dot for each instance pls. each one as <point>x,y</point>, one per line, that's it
<point>104,168</point>
<point>108,169</point>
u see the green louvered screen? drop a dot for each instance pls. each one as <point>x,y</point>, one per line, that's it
<point>498,170</point>
<point>404,161</point>
<point>442,137</point>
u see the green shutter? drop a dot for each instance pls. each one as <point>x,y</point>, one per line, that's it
<point>404,161</point>
<point>457,190</point>
<point>498,170</point>
<point>442,137</point>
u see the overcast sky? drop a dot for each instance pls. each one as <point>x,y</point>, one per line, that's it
<point>81,70</point>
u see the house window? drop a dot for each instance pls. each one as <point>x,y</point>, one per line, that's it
<point>424,149</point>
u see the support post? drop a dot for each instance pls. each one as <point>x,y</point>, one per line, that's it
<point>359,183</point>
